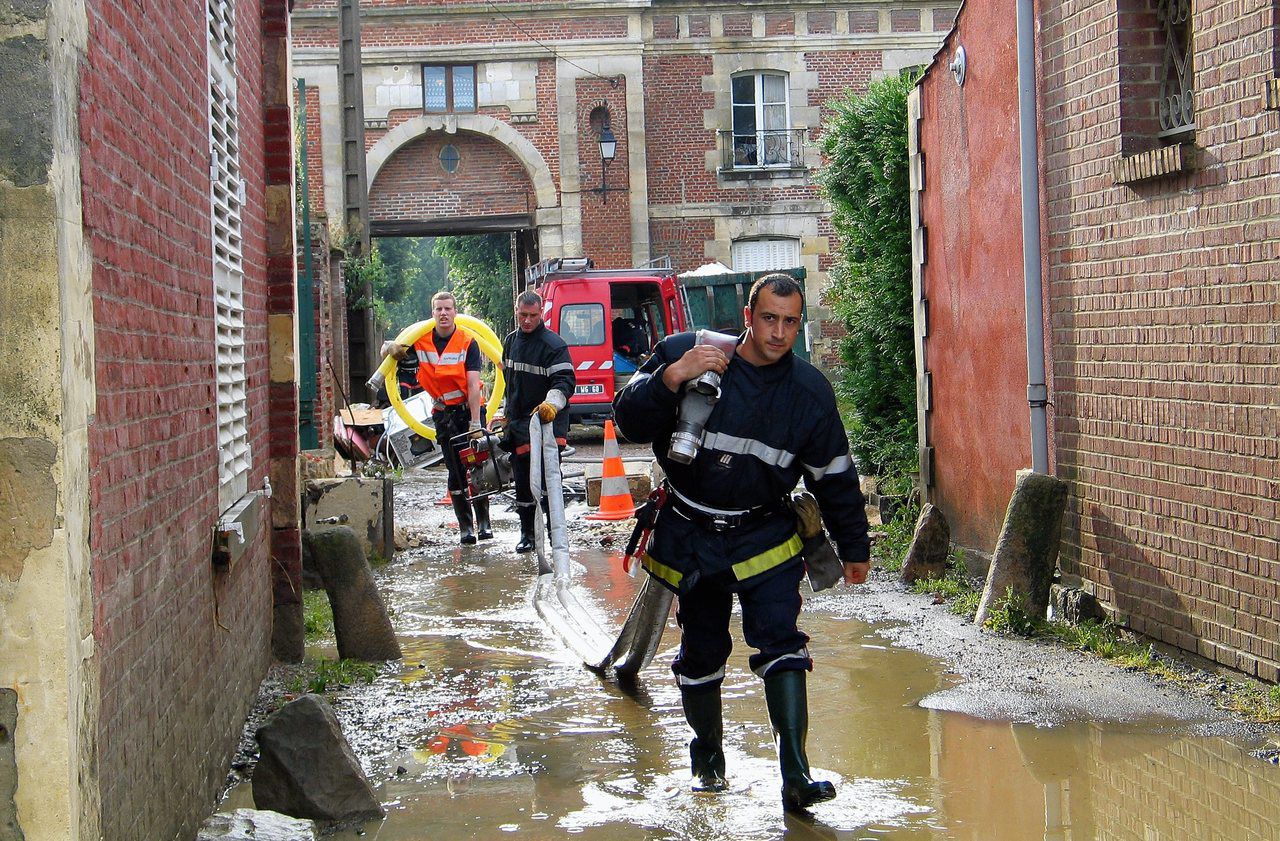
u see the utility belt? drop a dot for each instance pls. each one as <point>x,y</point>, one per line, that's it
<point>722,521</point>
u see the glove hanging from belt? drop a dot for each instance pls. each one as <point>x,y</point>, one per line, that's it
<point>820,560</point>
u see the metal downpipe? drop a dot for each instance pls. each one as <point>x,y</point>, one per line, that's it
<point>1028,143</point>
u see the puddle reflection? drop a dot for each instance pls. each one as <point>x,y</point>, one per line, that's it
<point>497,730</point>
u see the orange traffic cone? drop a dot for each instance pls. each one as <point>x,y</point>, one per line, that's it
<point>615,495</point>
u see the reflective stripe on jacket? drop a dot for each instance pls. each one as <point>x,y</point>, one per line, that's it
<point>444,375</point>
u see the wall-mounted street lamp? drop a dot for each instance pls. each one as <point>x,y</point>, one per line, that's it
<point>608,149</point>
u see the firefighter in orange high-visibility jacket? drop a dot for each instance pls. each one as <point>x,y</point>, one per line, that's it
<point>449,370</point>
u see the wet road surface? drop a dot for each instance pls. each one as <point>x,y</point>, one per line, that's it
<point>489,728</point>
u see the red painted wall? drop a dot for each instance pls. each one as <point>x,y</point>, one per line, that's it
<point>180,647</point>
<point>976,348</point>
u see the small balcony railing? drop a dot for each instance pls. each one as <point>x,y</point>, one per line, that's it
<point>782,149</point>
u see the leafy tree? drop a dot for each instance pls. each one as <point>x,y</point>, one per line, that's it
<point>414,261</point>
<point>867,181</point>
<point>480,276</point>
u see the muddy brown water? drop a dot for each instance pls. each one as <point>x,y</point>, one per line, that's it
<point>489,728</point>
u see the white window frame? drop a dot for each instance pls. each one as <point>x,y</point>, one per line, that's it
<point>761,254</point>
<point>774,141</point>
<point>227,197</point>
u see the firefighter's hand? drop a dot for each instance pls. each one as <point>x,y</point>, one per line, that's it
<point>856,573</point>
<point>394,350</point>
<point>475,430</point>
<point>546,412</point>
<point>697,361</point>
<point>498,423</point>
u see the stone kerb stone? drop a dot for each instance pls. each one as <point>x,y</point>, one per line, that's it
<point>1027,549</point>
<point>360,623</point>
<point>927,556</point>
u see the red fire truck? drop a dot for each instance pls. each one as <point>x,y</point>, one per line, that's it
<point>611,319</point>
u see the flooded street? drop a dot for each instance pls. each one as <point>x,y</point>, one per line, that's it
<point>489,726</point>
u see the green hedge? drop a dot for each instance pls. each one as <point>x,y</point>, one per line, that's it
<point>867,181</point>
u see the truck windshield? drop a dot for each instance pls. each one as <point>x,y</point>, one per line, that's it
<point>582,324</point>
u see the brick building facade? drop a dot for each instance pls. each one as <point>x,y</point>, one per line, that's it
<point>701,173</point>
<point>1160,241</point>
<point>145,236</point>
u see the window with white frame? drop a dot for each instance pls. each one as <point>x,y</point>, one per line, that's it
<point>766,254</point>
<point>762,134</point>
<point>228,260</point>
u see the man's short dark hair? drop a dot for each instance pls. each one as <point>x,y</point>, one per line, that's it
<point>782,285</point>
<point>529,298</point>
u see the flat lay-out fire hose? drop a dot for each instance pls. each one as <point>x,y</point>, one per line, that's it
<point>554,598</point>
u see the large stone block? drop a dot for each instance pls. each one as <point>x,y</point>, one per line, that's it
<point>306,769</point>
<point>640,487</point>
<point>927,555</point>
<point>365,505</point>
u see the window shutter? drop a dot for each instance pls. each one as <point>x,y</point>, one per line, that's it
<point>758,255</point>
<point>228,197</point>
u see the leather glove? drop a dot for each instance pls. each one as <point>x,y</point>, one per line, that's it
<point>808,517</point>
<point>545,412</point>
<point>394,350</point>
<point>498,423</point>
<point>475,430</point>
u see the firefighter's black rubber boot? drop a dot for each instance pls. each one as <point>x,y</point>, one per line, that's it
<point>483,529</point>
<point>466,528</point>
<point>784,693</point>
<point>706,754</point>
<point>526,529</point>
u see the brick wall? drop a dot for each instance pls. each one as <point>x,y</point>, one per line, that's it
<point>1165,308</point>
<point>840,72</point>
<point>488,30</point>
<point>180,647</point>
<point>683,240</point>
<point>606,217</point>
<point>413,184</point>
<point>676,142</point>
<point>315,149</point>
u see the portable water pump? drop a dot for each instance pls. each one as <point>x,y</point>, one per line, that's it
<point>488,466</point>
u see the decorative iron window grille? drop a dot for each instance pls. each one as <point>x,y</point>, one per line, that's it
<point>1177,85</point>
<point>769,149</point>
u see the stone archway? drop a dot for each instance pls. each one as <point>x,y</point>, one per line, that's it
<point>517,145</point>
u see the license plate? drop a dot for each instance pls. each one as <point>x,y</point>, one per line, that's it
<point>590,388</point>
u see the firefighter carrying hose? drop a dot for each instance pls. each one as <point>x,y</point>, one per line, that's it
<point>735,432</point>
<point>449,370</point>
<point>540,381</point>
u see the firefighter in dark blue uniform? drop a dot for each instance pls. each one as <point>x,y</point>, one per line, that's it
<point>727,527</point>
<point>540,380</point>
